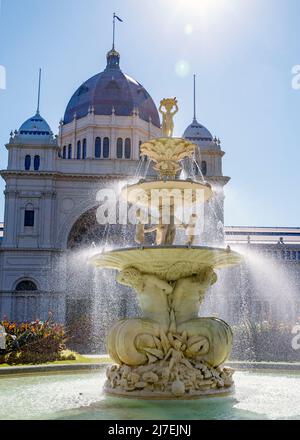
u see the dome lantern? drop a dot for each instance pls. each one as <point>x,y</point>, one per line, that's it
<point>113,59</point>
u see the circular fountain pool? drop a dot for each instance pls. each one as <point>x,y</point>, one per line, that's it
<point>259,395</point>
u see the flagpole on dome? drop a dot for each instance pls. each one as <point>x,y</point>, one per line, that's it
<point>114,28</point>
<point>39,92</point>
<point>195,118</point>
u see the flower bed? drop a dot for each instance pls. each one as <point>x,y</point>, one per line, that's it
<point>33,343</point>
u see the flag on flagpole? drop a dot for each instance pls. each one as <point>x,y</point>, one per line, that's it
<point>118,18</point>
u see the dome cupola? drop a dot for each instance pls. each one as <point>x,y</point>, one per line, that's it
<point>35,130</point>
<point>198,134</point>
<point>112,89</point>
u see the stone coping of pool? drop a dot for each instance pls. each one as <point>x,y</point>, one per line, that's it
<point>287,366</point>
<point>57,368</point>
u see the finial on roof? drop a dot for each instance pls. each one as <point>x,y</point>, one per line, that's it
<point>195,118</point>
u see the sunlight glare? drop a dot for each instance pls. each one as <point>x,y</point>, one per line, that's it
<point>203,6</point>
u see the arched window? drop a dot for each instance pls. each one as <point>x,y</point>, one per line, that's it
<point>204,168</point>
<point>127,148</point>
<point>78,150</point>
<point>97,148</point>
<point>70,151</point>
<point>37,163</point>
<point>120,148</point>
<point>64,152</point>
<point>26,286</point>
<point>106,148</point>
<point>84,149</point>
<point>27,162</point>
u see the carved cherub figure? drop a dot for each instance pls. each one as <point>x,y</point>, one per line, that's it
<point>152,294</point>
<point>166,109</point>
<point>189,294</point>
<point>140,230</point>
<point>190,229</point>
<point>176,352</point>
<point>165,234</point>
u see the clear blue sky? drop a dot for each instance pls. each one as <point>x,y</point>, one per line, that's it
<point>242,51</point>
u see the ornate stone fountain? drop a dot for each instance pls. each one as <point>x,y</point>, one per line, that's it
<point>170,352</point>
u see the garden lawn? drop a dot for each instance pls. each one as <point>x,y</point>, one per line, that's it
<point>79,360</point>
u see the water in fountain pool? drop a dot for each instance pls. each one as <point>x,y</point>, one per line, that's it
<point>79,396</point>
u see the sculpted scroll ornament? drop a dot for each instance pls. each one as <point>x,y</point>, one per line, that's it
<point>166,153</point>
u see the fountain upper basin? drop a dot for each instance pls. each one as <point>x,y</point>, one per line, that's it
<point>169,263</point>
<point>177,190</point>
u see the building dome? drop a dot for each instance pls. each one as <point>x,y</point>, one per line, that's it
<point>112,89</point>
<point>35,126</point>
<point>201,136</point>
<point>35,130</point>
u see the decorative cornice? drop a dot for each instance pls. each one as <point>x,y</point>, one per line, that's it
<point>33,146</point>
<point>218,179</point>
<point>213,152</point>
<point>11,193</point>
<point>60,175</point>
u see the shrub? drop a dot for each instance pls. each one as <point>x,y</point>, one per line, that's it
<point>264,342</point>
<point>32,343</point>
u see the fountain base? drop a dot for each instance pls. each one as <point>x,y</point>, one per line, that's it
<point>189,380</point>
<point>170,352</point>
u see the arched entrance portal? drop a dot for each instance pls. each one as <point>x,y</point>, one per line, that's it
<point>87,232</point>
<point>94,300</point>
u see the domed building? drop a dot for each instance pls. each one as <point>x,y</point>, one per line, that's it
<point>52,184</point>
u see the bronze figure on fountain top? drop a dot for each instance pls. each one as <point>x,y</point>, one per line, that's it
<point>168,104</point>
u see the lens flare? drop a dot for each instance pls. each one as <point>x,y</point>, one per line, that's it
<point>182,68</point>
<point>188,29</point>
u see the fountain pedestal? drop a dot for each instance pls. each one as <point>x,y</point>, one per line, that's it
<point>170,352</point>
